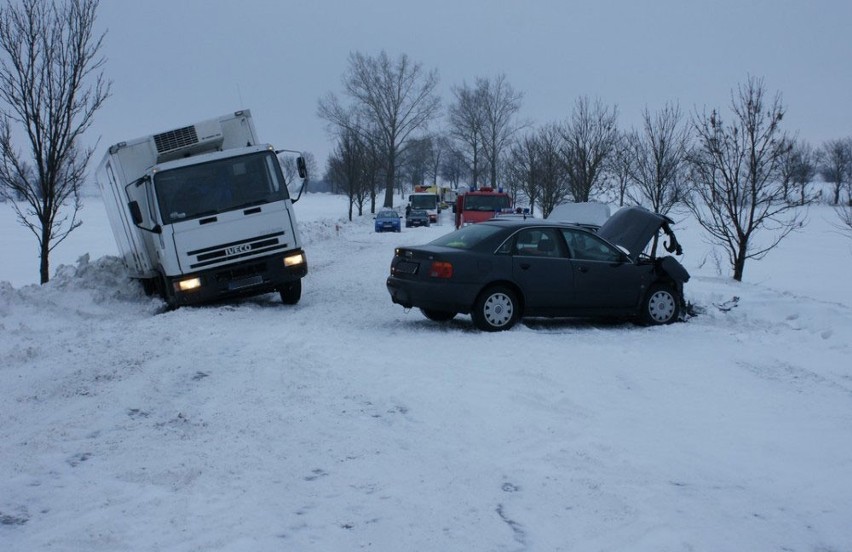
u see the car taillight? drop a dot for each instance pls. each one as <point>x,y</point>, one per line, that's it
<point>441,269</point>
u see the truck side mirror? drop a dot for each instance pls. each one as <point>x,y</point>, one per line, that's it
<point>136,215</point>
<point>135,212</point>
<point>302,167</point>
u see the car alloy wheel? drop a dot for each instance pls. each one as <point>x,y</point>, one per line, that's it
<point>495,310</point>
<point>661,305</point>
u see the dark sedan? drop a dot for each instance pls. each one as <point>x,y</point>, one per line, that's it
<point>417,217</point>
<point>502,270</point>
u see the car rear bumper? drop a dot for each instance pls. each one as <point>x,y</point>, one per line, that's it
<point>438,295</point>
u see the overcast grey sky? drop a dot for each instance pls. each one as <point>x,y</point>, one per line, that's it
<point>174,62</point>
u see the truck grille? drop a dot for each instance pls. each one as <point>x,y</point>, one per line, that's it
<point>175,139</point>
<point>236,250</point>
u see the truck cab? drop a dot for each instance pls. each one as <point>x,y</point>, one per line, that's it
<point>199,224</point>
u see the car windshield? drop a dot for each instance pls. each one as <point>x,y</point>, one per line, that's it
<point>218,186</point>
<point>387,214</point>
<point>467,237</point>
<point>418,213</point>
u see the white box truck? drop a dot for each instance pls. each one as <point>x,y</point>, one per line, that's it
<point>203,213</point>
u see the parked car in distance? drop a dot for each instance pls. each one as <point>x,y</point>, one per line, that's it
<point>500,271</point>
<point>417,217</point>
<point>387,220</point>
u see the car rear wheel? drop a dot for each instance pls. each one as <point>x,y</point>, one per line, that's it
<point>496,309</point>
<point>438,315</point>
<point>660,306</point>
<point>291,292</point>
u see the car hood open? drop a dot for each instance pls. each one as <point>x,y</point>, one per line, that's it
<point>633,227</point>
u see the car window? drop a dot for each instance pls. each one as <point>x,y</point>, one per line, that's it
<point>467,237</point>
<point>536,242</point>
<point>586,246</point>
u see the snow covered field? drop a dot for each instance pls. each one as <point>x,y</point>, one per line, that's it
<point>345,423</point>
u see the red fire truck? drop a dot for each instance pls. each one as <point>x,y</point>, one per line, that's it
<point>481,204</point>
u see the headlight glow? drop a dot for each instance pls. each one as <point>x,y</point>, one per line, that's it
<point>294,260</point>
<point>189,284</point>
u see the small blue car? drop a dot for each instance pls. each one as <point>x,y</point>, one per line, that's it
<point>387,220</point>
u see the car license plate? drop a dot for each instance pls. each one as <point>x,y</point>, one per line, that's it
<point>405,267</point>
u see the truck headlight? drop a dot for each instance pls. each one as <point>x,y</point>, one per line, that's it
<point>189,284</point>
<point>294,260</point>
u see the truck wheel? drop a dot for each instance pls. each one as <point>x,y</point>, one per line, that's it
<point>438,315</point>
<point>496,309</point>
<point>661,305</point>
<point>149,286</point>
<point>165,292</point>
<point>291,292</point>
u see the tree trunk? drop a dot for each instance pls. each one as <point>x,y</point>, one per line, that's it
<point>739,263</point>
<point>390,177</point>
<point>44,253</point>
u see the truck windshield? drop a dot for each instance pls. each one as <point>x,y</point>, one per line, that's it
<point>496,202</point>
<point>426,201</point>
<point>218,186</point>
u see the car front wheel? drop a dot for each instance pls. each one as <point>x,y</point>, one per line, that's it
<point>660,306</point>
<point>496,309</point>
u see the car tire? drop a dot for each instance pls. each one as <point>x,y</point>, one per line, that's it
<point>661,305</point>
<point>291,292</point>
<point>438,315</point>
<point>496,309</point>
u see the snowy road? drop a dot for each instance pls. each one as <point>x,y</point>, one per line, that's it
<point>345,423</point>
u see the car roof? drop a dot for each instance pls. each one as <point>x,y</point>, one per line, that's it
<point>515,222</point>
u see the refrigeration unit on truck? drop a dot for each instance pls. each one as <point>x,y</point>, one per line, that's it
<point>203,212</point>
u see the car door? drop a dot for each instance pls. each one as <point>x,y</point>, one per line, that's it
<point>604,278</point>
<point>540,266</point>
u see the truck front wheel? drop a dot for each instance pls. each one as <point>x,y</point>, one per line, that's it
<point>291,292</point>
<point>166,292</point>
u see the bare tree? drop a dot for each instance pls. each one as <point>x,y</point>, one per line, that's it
<point>836,164</point>
<point>392,99</point>
<point>500,104</point>
<point>618,168</point>
<point>844,213</point>
<point>589,136</point>
<point>554,179</point>
<point>415,162</point>
<point>453,168</point>
<point>438,152</point>
<point>49,52</point>
<point>467,120</point>
<point>657,159</point>
<point>347,169</point>
<point>523,167</point>
<point>798,168</point>
<point>735,193</point>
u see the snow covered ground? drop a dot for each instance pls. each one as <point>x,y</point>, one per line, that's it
<point>345,423</point>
